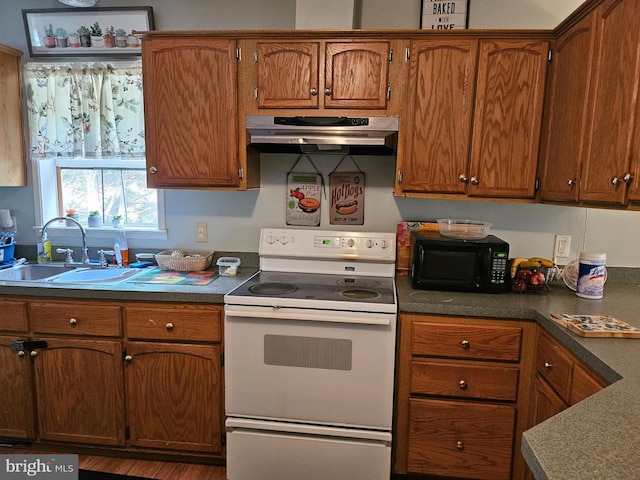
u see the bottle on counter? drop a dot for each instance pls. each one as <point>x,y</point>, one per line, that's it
<point>121,248</point>
<point>44,248</point>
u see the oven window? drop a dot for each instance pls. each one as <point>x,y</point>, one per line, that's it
<point>307,352</point>
<point>449,265</point>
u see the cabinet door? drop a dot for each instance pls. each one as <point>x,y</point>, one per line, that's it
<point>546,402</point>
<point>288,74</point>
<point>174,396</point>
<point>16,400</point>
<point>565,118</point>
<point>356,75</point>
<point>13,167</point>
<point>191,124</point>
<point>614,89</point>
<point>80,391</point>
<point>507,118</point>
<point>439,111</point>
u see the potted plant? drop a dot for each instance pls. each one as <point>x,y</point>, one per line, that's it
<point>85,36</point>
<point>132,40</point>
<point>49,37</point>
<point>94,219</point>
<point>110,37</point>
<point>74,40</point>
<point>61,38</point>
<point>116,221</point>
<point>72,213</point>
<point>96,36</point>
<point>121,37</point>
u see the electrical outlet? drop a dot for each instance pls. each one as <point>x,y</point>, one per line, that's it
<point>561,246</point>
<point>200,232</point>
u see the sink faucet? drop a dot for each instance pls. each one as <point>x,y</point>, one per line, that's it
<point>85,250</point>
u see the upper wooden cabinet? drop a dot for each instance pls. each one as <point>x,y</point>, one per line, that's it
<point>591,150</point>
<point>437,126</point>
<point>507,118</point>
<point>13,169</point>
<point>322,74</point>
<point>191,112</point>
<point>486,147</point>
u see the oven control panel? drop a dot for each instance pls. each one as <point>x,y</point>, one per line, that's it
<point>292,242</point>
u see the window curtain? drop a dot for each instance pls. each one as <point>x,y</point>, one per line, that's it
<point>85,110</point>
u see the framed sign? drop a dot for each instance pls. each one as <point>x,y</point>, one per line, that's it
<point>441,15</point>
<point>86,32</point>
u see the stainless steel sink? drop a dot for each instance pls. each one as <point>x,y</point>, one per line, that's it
<point>85,275</point>
<point>33,273</point>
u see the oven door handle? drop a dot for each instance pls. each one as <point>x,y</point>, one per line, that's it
<point>308,315</point>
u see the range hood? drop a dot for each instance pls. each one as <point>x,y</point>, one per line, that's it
<point>354,135</point>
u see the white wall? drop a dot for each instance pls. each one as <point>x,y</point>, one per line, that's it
<point>234,218</point>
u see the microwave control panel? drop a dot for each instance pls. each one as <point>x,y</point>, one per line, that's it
<point>499,268</point>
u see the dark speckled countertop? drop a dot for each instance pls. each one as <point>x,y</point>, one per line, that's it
<point>598,438</point>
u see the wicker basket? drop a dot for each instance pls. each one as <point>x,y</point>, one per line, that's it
<point>189,263</point>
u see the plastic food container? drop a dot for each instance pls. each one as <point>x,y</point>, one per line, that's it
<point>463,229</point>
<point>228,266</point>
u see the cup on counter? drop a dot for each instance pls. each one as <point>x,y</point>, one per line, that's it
<point>591,275</point>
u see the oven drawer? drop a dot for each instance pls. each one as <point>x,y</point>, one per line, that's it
<point>467,341</point>
<point>271,451</point>
<point>463,380</point>
<point>461,439</point>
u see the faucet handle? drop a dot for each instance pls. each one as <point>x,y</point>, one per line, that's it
<point>68,251</point>
<point>103,259</point>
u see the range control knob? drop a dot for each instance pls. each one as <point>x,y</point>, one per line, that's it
<point>284,240</point>
<point>370,243</point>
<point>384,244</point>
<point>270,239</point>
<point>351,243</point>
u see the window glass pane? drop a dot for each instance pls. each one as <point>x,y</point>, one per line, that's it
<point>111,192</point>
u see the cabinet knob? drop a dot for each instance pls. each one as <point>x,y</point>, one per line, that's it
<point>459,445</point>
<point>73,322</point>
<point>33,353</point>
<point>463,178</point>
<point>463,385</point>
<point>314,91</point>
<point>153,170</point>
<point>474,181</point>
<point>328,91</point>
<point>547,366</point>
<point>128,358</point>
<point>465,344</point>
<point>571,182</point>
<point>169,326</point>
<point>21,353</point>
<point>615,180</point>
<point>627,178</point>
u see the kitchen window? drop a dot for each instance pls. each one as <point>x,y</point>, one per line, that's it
<point>86,142</point>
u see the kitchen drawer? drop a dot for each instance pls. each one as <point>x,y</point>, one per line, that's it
<point>467,341</point>
<point>14,316</point>
<point>461,439</point>
<point>174,322</point>
<point>464,380</point>
<point>555,365</point>
<point>98,319</point>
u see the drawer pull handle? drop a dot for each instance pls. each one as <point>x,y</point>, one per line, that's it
<point>128,358</point>
<point>73,322</point>
<point>459,445</point>
<point>547,365</point>
<point>169,326</point>
<point>465,344</point>
<point>463,385</point>
<point>33,353</point>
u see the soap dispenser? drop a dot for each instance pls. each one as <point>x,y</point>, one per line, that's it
<point>121,248</point>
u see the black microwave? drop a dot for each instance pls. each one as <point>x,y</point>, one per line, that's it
<point>443,263</point>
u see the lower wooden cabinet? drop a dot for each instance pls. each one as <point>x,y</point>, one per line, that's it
<point>463,385</point>
<point>127,375</point>
<point>80,391</point>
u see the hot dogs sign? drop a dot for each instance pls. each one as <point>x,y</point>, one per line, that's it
<point>347,198</point>
<point>442,15</point>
